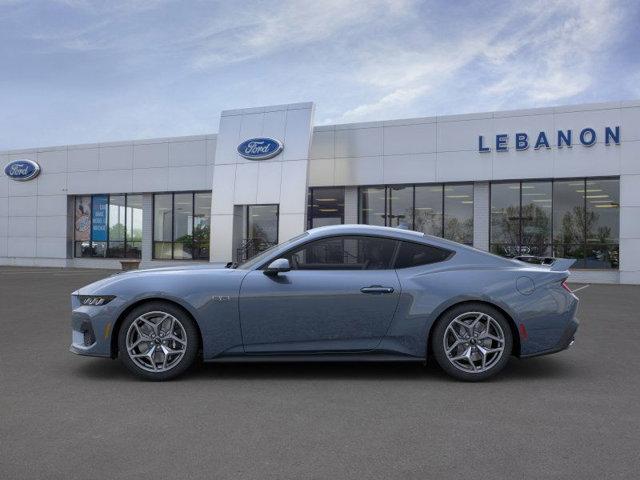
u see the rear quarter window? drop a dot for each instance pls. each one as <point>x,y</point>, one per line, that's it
<point>415,254</point>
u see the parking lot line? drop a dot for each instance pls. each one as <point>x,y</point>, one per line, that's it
<point>580,288</point>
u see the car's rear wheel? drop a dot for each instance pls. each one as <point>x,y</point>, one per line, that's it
<point>158,341</point>
<point>472,341</point>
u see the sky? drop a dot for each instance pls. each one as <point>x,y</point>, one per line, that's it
<point>80,71</point>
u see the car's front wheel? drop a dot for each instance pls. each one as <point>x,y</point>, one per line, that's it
<point>472,342</point>
<point>158,341</point>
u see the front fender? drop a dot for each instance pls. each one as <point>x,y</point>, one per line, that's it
<point>210,296</point>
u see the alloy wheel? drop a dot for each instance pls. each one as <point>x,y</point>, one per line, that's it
<point>156,341</point>
<point>474,342</point>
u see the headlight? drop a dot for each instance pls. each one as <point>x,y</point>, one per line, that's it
<point>95,300</point>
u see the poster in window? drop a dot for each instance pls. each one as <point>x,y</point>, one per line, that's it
<point>83,219</point>
<point>99,218</point>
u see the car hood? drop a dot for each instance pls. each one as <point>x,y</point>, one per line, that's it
<point>120,280</point>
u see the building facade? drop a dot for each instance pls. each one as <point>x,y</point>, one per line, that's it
<point>561,181</point>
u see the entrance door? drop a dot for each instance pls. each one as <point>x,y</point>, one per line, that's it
<point>339,296</point>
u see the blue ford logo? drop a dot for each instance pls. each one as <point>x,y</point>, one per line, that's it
<point>260,148</point>
<point>22,170</point>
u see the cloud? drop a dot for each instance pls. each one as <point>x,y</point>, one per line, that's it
<point>287,25</point>
<point>541,53</point>
<point>397,98</point>
<point>124,69</point>
<point>555,63</point>
<point>112,6</point>
<point>209,34</point>
<point>406,76</point>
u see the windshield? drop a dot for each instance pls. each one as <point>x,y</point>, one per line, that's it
<point>258,259</point>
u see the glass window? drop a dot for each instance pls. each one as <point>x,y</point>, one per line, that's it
<point>82,226</point>
<point>505,219</point>
<point>400,207</point>
<point>344,253</point>
<point>536,218</point>
<point>458,213</point>
<point>182,225</point>
<point>440,210</point>
<point>162,225</point>
<point>108,226</point>
<point>576,219</point>
<point>603,210</point>
<point>568,220</point>
<point>414,254</point>
<point>428,209</point>
<point>325,207</point>
<point>201,225</point>
<point>134,226</point>
<point>602,199</point>
<point>372,206</point>
<point>117,219</point>
<point>99,225</point>
<point>262,225</point>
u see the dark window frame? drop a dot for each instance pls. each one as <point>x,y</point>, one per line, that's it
<point>125,240</point>
<point>173,214</point>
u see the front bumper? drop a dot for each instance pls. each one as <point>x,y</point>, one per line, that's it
<point>565,341</point>
<point>92,328</point>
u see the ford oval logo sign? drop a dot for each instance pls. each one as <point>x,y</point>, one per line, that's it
<point>260,148</point>
<point>22,170</point>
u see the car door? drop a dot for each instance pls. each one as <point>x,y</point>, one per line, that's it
<point>340,296</point>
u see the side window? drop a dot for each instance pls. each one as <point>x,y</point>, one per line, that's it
<point>414,254</point>
<point>344,253</point>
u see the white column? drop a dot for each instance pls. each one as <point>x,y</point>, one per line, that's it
<point>629,229</point>
<point>281,180</point>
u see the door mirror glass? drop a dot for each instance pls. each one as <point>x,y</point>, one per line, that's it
<point>277,266</point>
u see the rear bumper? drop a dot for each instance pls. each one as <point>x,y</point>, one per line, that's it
<point>565,341</point>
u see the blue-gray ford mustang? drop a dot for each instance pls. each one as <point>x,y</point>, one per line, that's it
<point>338,293</point>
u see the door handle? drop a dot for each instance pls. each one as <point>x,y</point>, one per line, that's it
<point>376,289</point>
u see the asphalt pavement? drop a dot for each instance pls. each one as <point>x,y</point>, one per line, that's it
<point>575,414</point>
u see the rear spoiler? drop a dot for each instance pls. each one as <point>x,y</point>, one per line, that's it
<point>554,264</point>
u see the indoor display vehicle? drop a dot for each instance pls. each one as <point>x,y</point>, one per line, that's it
<point>336,293</point>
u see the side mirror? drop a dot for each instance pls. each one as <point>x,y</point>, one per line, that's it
<point>279,265</point>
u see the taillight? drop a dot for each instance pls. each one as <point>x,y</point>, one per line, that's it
<point>566,287</point>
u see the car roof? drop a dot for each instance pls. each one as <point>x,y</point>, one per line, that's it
<point>359,229</point>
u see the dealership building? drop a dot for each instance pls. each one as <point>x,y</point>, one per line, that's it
<point>558,181</point>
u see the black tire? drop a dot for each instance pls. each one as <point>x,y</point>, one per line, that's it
<point>190,334</point>
<point>438,342</point>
